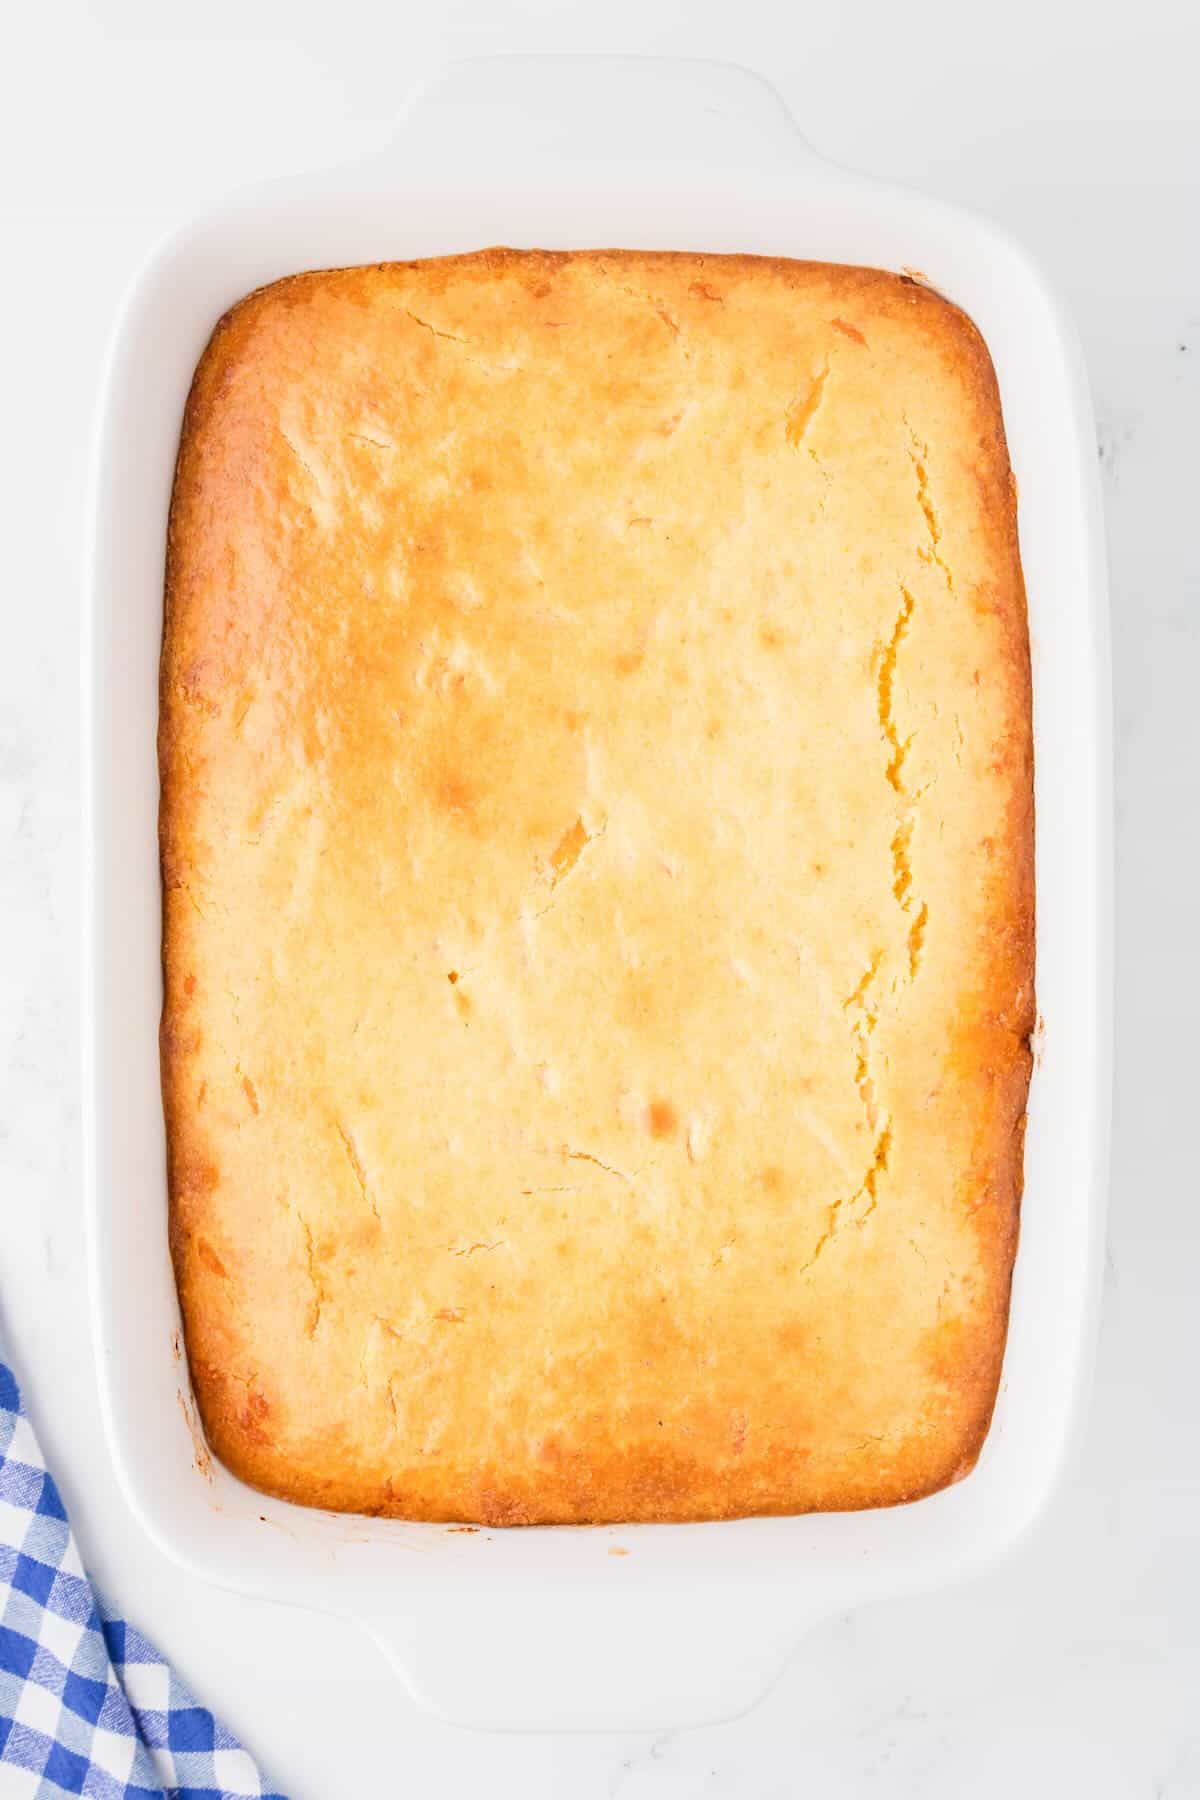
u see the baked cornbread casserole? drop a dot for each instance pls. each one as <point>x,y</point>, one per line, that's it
<point>597,849</point>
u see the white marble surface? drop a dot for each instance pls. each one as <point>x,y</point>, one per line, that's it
<point>1075,1668</point>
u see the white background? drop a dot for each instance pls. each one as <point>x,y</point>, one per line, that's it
<point>1075,1669</point>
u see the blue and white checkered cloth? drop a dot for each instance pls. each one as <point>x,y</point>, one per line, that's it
<point>87,1706</point>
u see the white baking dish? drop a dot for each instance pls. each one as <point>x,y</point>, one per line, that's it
<point>544,1628</point>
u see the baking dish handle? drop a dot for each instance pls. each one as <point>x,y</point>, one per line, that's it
<point>637,1654</point>
<point>598,109</point>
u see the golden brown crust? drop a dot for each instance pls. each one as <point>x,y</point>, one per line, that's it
<point>597,846</point>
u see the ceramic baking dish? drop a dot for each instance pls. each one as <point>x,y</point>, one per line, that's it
<point>543,1627</point>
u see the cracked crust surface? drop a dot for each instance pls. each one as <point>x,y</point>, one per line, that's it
<point>597,850</point>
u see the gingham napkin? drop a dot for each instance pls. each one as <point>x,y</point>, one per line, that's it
<point>87,1706</point>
